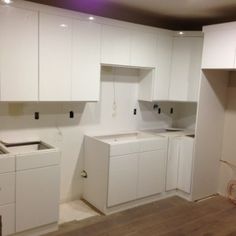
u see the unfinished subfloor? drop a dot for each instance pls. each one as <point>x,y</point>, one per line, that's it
<point>170,217</point>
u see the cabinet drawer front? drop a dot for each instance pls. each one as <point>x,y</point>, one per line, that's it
<point>8,219</point>
<point>7,188</point>
<point>124,149</point>
<point>153,144</point>
<point>36,160</point>
<point>7,163</point>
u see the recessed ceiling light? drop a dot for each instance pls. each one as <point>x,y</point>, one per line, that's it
<point>7,1</point>
<point>91,18</point>
<point>64,25</point>
<point>181,33</point>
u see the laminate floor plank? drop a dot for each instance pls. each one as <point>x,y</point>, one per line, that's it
<point>169,217</point>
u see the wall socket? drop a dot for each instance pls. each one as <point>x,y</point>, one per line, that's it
<point>36,115</point>
<point>72,114</point>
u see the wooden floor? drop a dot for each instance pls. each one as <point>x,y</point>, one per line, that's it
<point>170,217</point>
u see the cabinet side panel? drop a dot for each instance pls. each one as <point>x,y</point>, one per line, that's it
<point>209,133</point>
<point>96,165</point>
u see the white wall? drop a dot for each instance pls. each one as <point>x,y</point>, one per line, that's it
<point>228,172</point>
<point>185,116</point>
<point>54,126</point>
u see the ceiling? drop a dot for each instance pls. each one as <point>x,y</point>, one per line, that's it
<point>171,14</point>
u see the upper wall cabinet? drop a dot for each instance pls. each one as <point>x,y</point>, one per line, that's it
<point>69,59</point>
<point>185,69</point>
<point>115,48</point>
<point>86,61</point>
<point>18,54</point>
<point>178,68</point>
<point>219,51</point>
<point>143,49</point>
<point>127,47</point>
<point>55,51</point>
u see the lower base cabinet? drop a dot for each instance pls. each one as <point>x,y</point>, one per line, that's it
<point>37,197</point>
<point>123,172</point>
<point>179,163</point>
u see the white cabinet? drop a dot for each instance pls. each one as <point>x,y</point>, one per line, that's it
<point>86,61</point>
<point>125,170</point>
<point>37,197</point>
<point>69,59</point>
<point>177,70</point>
<point>179,164</point>
<point>128,47</point>
<point>151,173</point>
<point>143,49</point>
<point>123,176</point>
<point>164,55</point>
<point>185,164</point>
<point>37,180</point>
<point>115,48</point>
<point>219,51</point>
<point>55,58</point>
<point>185,69</point>
<point>18,54</point>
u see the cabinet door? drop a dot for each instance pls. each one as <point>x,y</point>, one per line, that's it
<point>162,81</point>
<point>37,197</point>
<point>219,46</point>
<point>195,69</point>
<point>151,177</point>
<point>115,47</point>
<point>185,164</point>
<point>180,69</point>
<point>18,54</point>
<point>86,61</point>
<point>143,49</point>
<point>172,164</point>
<point>123,175</point>
<point>8,219</point>
<point>55,58</point>
<point>186,68</point>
